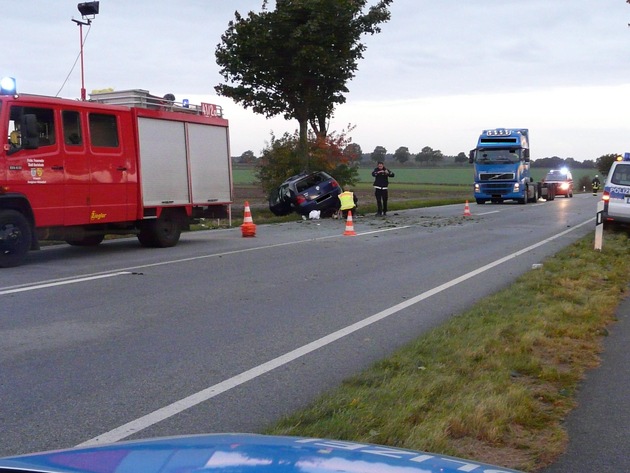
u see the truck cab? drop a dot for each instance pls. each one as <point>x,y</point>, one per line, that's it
<point>501,167</point>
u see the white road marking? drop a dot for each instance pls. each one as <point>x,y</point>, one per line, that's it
<point>132,269</point>
<point>488,213</point>
<point>61,282</point>
<point>175,408</point>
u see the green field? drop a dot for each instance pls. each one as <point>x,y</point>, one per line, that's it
<point>443,175</point>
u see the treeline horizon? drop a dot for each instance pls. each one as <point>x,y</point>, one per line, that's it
<point>444,160</point>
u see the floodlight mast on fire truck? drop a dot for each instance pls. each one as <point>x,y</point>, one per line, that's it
<point>123,162</point>
<point>88,11</point>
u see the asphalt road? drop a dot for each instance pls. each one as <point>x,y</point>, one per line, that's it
<point>227,334</point>
<point>599,428</point>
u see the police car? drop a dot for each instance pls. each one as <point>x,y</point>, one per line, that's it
<point>617,192</point>
<point>240,453</point>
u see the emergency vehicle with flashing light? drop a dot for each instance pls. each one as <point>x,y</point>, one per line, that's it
<point>122,162</point>
<point>563,180</point>
<point>501,168</point>
<point>616,195</point>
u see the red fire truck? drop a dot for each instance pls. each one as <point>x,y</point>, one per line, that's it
<point>122,162</point>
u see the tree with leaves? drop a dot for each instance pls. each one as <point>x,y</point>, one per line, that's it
<point>429,155</point>
<point>248,157</point>
<point>605,162</point>
<point>379,154</point>
<point>402,154</point>
<point>461,158</point>
<point>280,159</point>
<point>295,61</point>
<point>353,152</point>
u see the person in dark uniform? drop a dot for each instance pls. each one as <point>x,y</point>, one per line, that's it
<point>596,184</point>
<point>381,180</point>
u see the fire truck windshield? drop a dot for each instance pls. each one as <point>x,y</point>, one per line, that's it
<point>498,156</point>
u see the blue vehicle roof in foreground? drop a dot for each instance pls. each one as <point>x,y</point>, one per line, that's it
<point>232,453</point>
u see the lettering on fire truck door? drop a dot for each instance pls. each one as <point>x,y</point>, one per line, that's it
<point>37,173</point>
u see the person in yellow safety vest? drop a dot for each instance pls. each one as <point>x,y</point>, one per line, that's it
<point>348,202</point>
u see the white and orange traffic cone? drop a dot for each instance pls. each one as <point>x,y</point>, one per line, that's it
<point>349,226</point>
<point>248,229</point>
<point>467,210</point>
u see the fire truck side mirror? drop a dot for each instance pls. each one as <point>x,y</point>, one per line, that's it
<point>526,155</point>
<point>30,131</point>
<point>471,156</point>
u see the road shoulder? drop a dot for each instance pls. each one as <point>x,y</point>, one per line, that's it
<point>599,428</point>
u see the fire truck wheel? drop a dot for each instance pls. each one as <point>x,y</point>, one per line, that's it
<point>15,238</point>
<point>163,232</point>
<point>145,237</point>
<point>91,240</point>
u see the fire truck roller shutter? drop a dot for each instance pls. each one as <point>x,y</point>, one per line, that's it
<point>209,163</point>
<point>163,163</point>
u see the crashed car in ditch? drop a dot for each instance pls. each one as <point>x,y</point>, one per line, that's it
<point>306,192</point>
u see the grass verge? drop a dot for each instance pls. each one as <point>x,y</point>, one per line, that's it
<point>494,383</point>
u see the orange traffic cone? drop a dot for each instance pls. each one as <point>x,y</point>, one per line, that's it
<point>467,210</point>
<point>349,226</point>
<point>248,229</point>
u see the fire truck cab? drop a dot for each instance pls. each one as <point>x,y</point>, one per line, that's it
<point>120,163</point>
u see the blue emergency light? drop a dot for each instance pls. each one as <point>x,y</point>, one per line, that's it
<point>8,86</point>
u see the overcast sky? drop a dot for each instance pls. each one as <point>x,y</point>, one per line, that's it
<point>438,73</point>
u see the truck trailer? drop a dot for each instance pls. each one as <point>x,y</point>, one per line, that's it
<point>120,163</point>
<point>501,168</point>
